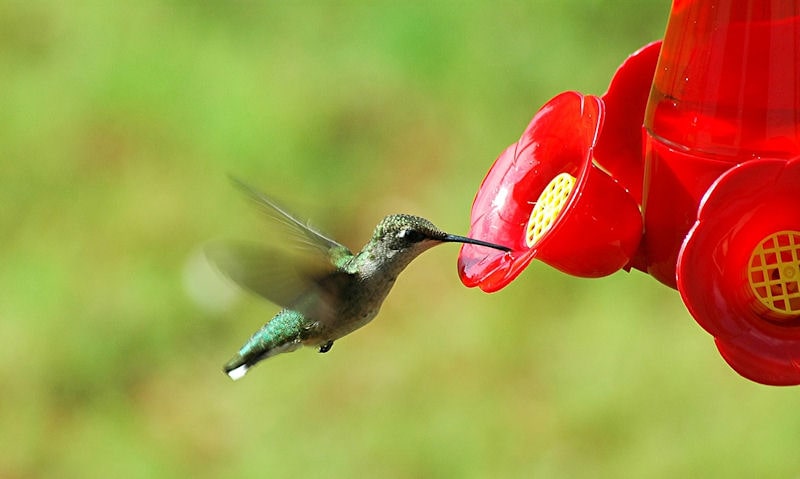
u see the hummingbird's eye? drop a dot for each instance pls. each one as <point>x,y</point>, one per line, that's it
<point>411,235</point>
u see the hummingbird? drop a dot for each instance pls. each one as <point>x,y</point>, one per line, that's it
<point>326,291</point>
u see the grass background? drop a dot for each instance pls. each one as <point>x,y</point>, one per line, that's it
<point>119,124</point>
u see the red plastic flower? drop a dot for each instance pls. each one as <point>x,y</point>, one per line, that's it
<point>739,269</point>
<point>569,191</point>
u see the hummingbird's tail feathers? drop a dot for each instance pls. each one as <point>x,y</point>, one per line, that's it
<point>238,366</point>
<point>281,335</point>
<point>253,353</point>
<point>237,372</point>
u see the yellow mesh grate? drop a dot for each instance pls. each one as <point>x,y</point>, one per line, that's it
<point>548,206</point>
<point>774,273</point>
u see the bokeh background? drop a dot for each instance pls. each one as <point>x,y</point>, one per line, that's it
<point>118,126</point>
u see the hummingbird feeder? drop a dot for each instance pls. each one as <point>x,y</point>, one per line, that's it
<point>687,168</point>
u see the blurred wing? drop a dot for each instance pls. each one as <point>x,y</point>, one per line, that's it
<point>299,231</point>
<point>283,278</point>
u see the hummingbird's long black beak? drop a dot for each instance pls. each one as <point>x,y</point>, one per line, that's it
<point>448,238</point>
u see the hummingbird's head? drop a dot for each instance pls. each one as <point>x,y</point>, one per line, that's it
<point>411,235</point>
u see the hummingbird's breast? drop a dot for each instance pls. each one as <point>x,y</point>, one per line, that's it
<point>372,274</point>
<point>372,291</point>
<point>362,300</point>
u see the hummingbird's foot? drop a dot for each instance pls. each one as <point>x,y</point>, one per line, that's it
<point>326,347</point>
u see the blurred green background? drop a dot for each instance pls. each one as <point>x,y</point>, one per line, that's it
<point>118,126</point>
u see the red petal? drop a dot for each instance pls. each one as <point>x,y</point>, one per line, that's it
<point>619,148</point>
<point>559,138</point>
<point>750,202</point>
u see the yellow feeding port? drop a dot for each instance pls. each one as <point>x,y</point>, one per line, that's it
<point>548,206</point>
<point>774,273</point>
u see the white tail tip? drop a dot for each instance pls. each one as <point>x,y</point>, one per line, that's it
<point>238,373</point>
